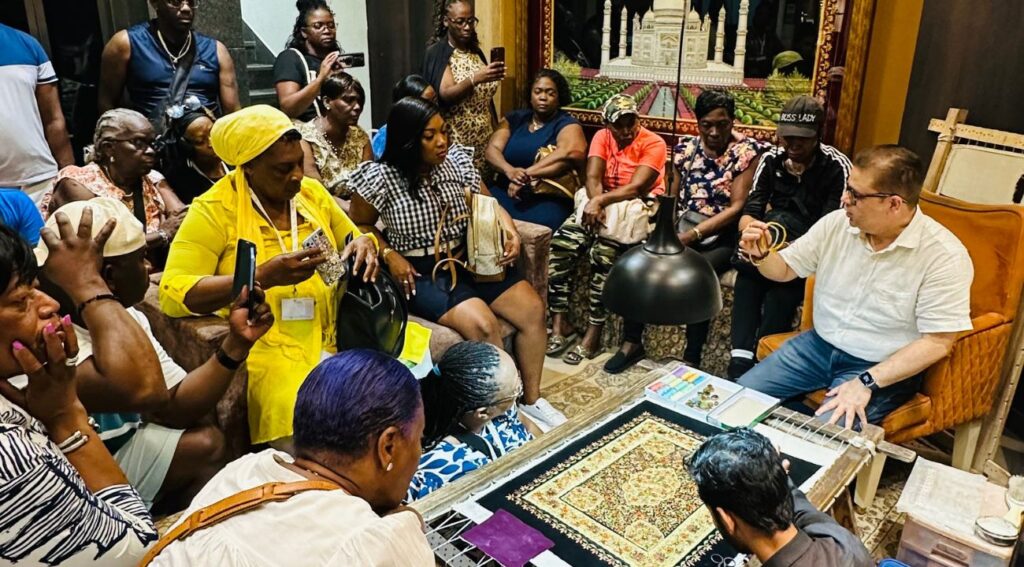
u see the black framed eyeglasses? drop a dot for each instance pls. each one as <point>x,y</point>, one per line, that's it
<point>179,3</point>
<point>321,26</point>
<point>464,22</point>
<point>857,195</point>
<point>139,143</point>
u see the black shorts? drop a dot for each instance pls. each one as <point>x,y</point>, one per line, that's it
<point>435,298</point>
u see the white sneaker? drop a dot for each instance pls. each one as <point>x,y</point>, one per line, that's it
<point>543,414</point>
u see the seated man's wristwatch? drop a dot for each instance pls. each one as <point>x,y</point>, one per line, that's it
<point>868,380</point>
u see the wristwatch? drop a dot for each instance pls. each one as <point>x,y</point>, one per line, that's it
<point>868,380</point>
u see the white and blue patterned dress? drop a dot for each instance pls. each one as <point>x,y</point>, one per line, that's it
<point>451,459</point>
<point>49,517</point>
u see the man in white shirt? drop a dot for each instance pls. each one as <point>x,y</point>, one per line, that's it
<point>35,138</point>
<point>891,292</point>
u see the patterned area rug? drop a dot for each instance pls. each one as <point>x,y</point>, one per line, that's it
<point>574,388</point>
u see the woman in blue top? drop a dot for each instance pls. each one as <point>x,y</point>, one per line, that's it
<point>469,404</point>
<point>410,85</point>
<point>513,149</point>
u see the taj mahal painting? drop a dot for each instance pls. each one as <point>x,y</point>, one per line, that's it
<point>763,51</point>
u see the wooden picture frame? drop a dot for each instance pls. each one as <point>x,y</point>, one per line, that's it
<point>840,61</point>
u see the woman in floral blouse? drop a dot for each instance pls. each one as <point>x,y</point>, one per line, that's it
<point>716,170</point>
<point>471,417</point>
<point>334,144</point>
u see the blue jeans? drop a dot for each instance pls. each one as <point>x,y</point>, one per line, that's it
<point>807,363</point>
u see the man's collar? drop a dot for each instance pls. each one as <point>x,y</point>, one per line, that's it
<point>910,237</point>
<point>791,552</point>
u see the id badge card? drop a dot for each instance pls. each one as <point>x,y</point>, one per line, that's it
<point>297,309</point>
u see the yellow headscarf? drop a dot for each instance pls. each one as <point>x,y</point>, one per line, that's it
<point>241,137</point>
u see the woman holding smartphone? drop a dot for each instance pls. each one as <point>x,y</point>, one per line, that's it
<point>266,200</point>
<point>457,69</point>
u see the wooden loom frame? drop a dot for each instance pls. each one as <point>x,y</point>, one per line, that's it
<point>989,430</point>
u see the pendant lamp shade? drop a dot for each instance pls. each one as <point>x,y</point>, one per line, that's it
<point>663,282</point>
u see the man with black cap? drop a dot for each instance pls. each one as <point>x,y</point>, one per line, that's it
<point>795,184</point>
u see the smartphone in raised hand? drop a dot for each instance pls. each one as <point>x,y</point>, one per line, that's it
<point>497,55</point>
<point>245,272</point>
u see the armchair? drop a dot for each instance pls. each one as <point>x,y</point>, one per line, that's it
<point>959,390</point>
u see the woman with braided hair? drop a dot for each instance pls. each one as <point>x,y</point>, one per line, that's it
<point>465,83</point>
<point>469,404</point>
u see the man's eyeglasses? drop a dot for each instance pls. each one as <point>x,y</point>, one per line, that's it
<point>321,26</point>
<point>856,195</point>
<point>190,104</point>
<point>464,22</point>
<point>177,4</point>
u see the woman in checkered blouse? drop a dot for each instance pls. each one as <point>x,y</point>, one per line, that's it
<point>416,179</point>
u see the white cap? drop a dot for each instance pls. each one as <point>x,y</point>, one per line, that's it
<point>127,237</point>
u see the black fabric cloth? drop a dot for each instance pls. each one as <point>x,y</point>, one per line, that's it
<point>797,202</point>
<point>436,61</point>
<point>762,307</point>
<point>566,547</point>
<point>434,298</point>
<point>187,182</point>
<point>696,333</point>
<point>819,541</point>
<point>288,68</point>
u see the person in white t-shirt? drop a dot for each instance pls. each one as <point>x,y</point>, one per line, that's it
<point>168,455</point>
<point>35,138</point>
<point>358,425</point>
<point>891,292</point>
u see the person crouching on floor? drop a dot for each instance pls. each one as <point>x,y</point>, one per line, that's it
<point>170,454</point>
<point>745,484</point>
<point>471,416</point>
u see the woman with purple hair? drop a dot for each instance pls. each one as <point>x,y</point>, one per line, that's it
<point>358,424</point>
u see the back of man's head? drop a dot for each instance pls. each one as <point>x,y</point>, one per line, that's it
<point>740,472</point>
<point>893,169</point>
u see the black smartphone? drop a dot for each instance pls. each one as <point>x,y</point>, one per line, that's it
<point>245,272</point>
<point>353,59</point>
<point>497,54</point>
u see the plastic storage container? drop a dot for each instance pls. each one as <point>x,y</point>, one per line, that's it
<point>923,545</point>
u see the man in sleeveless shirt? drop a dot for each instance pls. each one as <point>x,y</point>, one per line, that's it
<point>140,62</point>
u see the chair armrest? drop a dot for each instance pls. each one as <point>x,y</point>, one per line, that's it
<point>535,248</point>
<point>962,385</point>
<point>771,343</point>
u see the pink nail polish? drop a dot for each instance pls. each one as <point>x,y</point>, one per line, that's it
<point>66,319</point>
<point>48,329</point>
<point>18,346</point>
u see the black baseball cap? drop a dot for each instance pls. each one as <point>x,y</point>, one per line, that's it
<point>801,116</point>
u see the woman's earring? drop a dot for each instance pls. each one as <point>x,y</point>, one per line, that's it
<point>112,160</point>
<point>391,465</point>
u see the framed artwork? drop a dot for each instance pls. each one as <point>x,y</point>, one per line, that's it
<point>764,52</point>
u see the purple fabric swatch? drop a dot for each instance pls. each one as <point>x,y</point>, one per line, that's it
<point>507,540</point>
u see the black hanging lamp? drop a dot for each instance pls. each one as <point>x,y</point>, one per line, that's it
<point>663,282</point>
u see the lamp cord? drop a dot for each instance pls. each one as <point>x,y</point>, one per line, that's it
<point>675,101</point>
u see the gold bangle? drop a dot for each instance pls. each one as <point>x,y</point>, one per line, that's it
<point>697,232</point>
<point>384,254</point>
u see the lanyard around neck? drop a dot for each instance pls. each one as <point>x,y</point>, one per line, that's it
<point>294,218</point>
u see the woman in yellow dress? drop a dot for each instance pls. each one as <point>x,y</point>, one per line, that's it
<point>457,69</point>
<point>268,201</point>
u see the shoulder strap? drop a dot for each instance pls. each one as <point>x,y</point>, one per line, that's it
<point>179,84</point>
<point>476,442</point>
<point>232,506</point>
<point>305,68</point>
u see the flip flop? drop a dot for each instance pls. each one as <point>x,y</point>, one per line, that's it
<point>578,354</point>
<point>557,343</point>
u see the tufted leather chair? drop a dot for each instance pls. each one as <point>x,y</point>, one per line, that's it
<point>959,390</point>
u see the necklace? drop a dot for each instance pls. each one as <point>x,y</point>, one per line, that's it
<point>323,132</point>
<point>197,169</point>
<point>536,124</point>
<point>124,194</point>
<point>184,48</point>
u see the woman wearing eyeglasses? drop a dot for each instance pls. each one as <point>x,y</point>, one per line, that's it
<point>144,59</point>
<point>457,69</point>
<point>311,57</point>
<point>122,169</point>
<point>469,403</point>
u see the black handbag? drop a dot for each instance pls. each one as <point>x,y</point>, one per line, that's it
<point>371,315</point>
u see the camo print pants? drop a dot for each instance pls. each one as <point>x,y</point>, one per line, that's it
<point>569,243</point>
